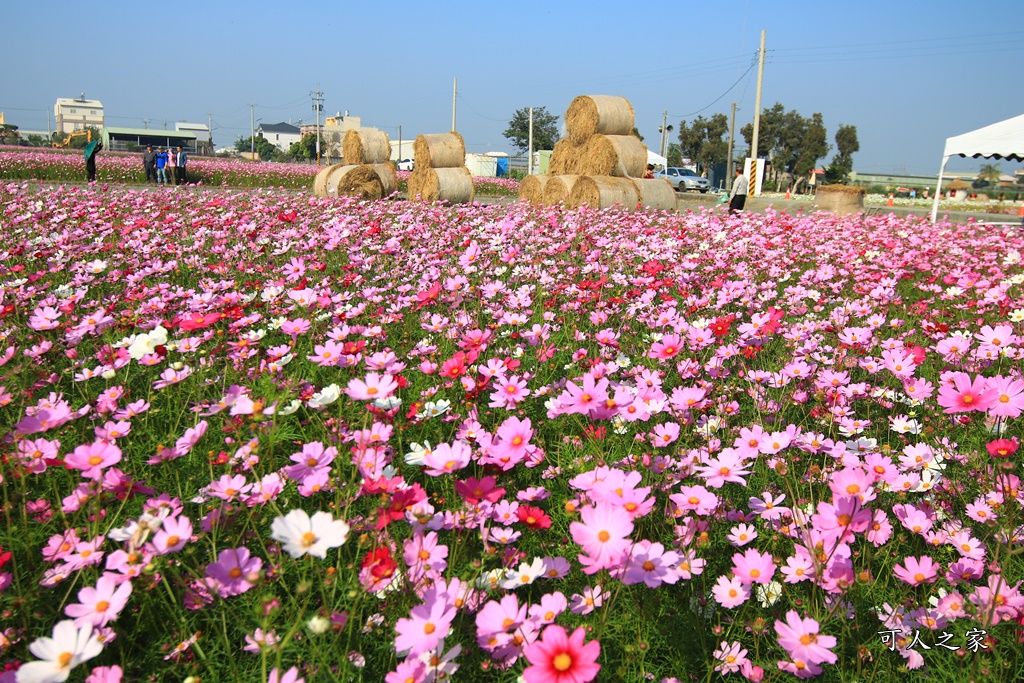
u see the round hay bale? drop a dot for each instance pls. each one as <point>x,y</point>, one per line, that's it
<point>361,182</point>
<point>365,147</point>
<point>623,156</point>
<point>531,189</point>
<point>320,182</point>
<point>453,185</point>
<point>840,199</point>
<point>334,177</point>
<point>558,188</point>
<point>606,114</point>
<point>656,193</point>
<point>388,177</point>
<point>439,150</point>
<point>566,158</point>
<point>601,192</point>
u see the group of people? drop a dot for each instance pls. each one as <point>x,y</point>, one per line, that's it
<point>165,165</point>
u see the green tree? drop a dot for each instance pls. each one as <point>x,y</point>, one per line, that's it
<point>990,175</point>
<point>636,133</point>
<point>266,149</point>
<point>306,147</point>
<point>702,141</point>
<point>674,155</point>
<point>9,134</point>
<point>545,129</point>
<point>842,163</point>
<point>813,147</point>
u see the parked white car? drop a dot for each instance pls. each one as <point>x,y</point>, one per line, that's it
<point>683,179</point>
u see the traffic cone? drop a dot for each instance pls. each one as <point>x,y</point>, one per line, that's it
<point>788,196</point>
<point>1020,211</point>
<point>889,203</point>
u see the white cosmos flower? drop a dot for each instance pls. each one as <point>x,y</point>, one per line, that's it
<point>417,453</point>
<point>325,396</point>
<point>768,595</point>
<point>96,266</point>
<point>292,406</point>
<point>435,408</point>
<point>142,345</point>
<point>58,655</point>
<point>301,534</point>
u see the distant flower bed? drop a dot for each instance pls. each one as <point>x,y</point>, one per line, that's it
<point>68,165</point>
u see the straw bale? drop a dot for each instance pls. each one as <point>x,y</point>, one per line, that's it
<point>531,189</point>
<point>558,188</point>
<point>566,158</point>
<point>365,147</point>
<point>320,182</point>
<point>656,193</point>
<point>606,114</point>
<point>601,192</point>
<point>334,177</point>
<point>453,185</point>
<point>439,150</point>
<point>623,156</point>
<point>361,182</point>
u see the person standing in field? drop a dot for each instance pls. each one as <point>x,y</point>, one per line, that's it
<point>161,166</point>
<point>149,162</point>
<point>90,161</point>
<point>172,165</point>
<point>180,178</point>
<point>740,187</point>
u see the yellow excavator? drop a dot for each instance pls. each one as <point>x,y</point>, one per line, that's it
<point>72,136</point>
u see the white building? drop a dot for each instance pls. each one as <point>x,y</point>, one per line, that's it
<point>77,114</point>
<point>281,135</point>
<point>201,130</point>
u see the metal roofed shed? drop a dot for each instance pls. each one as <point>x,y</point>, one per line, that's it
<point>1003,140</point>
<point>129,139</point>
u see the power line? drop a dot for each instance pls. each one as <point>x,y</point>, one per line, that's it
<point>749,68</point>
<point>486,118</point>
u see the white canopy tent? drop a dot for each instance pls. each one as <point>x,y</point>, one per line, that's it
<point>656,160</point>
<point>1003,140</point>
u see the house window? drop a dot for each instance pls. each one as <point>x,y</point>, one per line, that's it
<point>92,113</point>
<point>71,111</point>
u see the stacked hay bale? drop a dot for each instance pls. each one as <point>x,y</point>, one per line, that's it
<point>366,172</point>
<point>600,162</point>
<point>440,172</point>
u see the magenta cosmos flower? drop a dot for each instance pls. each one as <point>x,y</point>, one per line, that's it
<point>964,395</point>
<point>374,387</point>
<point>234,571</point>
<point>916,570</point>
<point>561,658</point>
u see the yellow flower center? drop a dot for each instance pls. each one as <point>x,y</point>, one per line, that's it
<point>562,662</point>
<point>308,539</point>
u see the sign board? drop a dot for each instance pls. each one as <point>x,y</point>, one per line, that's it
<point>754,170</point>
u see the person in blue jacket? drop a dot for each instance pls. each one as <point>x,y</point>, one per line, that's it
<point>161,162</point>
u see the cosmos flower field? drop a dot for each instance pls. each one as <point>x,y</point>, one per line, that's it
<point>270,437</point>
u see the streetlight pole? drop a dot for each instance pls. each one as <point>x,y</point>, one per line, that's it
<point>252,131</point>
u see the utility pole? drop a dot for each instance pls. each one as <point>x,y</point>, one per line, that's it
<point>529,159</point>
<point>455,91</point>
<point>757,114</point>
<point>399,145</point>
<point>664,130</point>
<point>209,129</point>
<point>729,160</point>
<point>318,107</point>
<point>145,123</point>
<point>252,131</point>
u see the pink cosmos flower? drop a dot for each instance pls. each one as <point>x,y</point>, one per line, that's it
<point>582,400</point>
<point>289,676</point>
<point>173,535</point>
<point>229,487</point>
<point>742,534</point>
<point>800,638</point>
<point>603,535</point>
<point>92,458</point>
<point>374,387</point>
<point>500,617</point>
<point>409,671</point>
<point>1008,395</point>
<point>695,498</point>
<point>731,657</point>
<point>234,571</point>
<point>669,347</point>
<point>101,604</point>
<point>916,571</point>
<point>312,459</point>
<point>561,658</point>
<point>730,593</point>
<point>964,395</point>
<point>105,674</point>
<point>426,626</point>
<point>727,467</point>
<point>753,567</point>
<point>447,458</point>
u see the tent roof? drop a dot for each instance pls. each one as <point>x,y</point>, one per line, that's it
<point>656,159</point>
<point>1003,140</point>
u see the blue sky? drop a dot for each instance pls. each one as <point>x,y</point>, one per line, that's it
<point>907,74</point>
